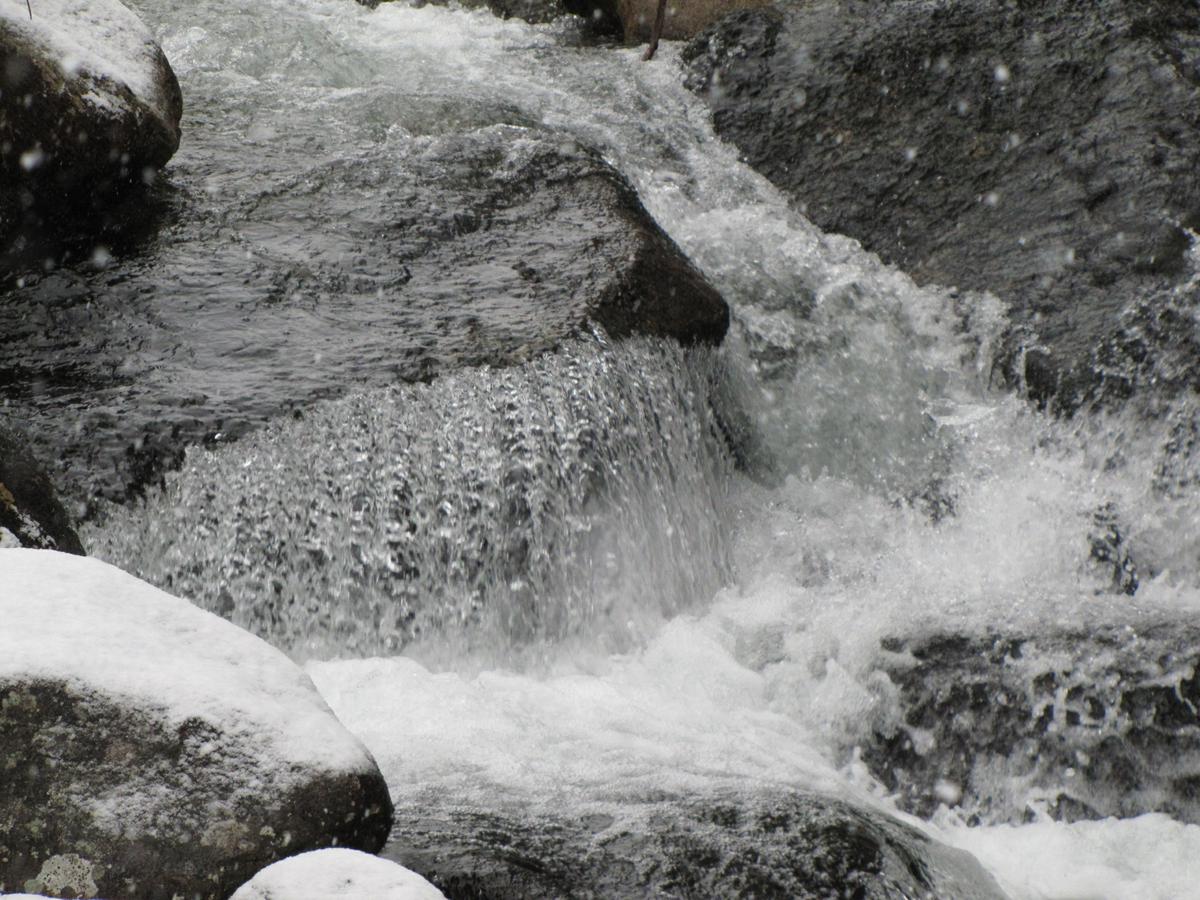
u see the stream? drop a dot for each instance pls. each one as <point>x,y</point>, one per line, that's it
<point>562,583</point>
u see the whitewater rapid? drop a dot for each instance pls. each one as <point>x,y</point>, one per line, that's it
<point>900,492</point>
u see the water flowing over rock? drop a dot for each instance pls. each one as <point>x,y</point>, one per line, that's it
<point>522,505</point>
<point>1041,151</point>
<point>30,512</point>
<point>484,247</point>
<point>88,105</point>
<point>784,843</point>
<point>1076,724</point>
<point>153,750</point>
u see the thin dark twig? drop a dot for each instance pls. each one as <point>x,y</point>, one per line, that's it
<point>30,8</point>
<point>655,33</point>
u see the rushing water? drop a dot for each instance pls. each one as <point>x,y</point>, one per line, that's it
<point>586,590</point>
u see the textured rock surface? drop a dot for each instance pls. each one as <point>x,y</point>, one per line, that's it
<point>1044,151</point>
<point>153,750</point>
<point>88,104</point>
<point>1083,724</point>
<point>30,511</point>
<point>336,874</point>
<point>487,247</point>
<point>634,18</point>
<point>789,844</point>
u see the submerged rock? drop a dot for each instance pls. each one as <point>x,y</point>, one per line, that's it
<point>462,249</point>
<point>30,512</point>
<point>1041,152</point>
<point>783,844</point>
<point>336,873</point>
<point>1077,724</point>
<point>153,750</point>
<point>88,106</point>
<point>533,11</point>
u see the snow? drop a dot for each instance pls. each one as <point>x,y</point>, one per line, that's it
<point>82,621</point>
<point>100,40</point>
<point>334,874</point>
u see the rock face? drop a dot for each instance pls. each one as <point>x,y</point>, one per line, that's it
<point>789,844</point>
<point>30,512</point>
<point>1042,151</point>
<point>1082,725</point>
<point>337,874</point>
<point>88,104</point>
<point>634,18</point>
<point>416,257</point>
<point>153,750</point>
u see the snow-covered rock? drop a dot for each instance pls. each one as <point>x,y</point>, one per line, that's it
<point>88,101</point>
<point>337,874</point>
<point>151,749</point>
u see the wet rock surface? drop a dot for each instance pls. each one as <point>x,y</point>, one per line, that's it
<point>634,19</point>
<point>30,510</point>
<point>152,750</point>
<point>1076,724</point>
<point>89,107</point>
<point>1041,151</point>
<point>533,11</point>
<point>484,247</point>
<point>789,844</point>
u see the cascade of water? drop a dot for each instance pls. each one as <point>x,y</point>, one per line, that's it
<point>584,503</point>
<point>491,509</point>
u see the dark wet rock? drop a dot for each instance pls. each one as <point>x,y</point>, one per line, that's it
<point>30,510</point>
<point>152,750</point>
<point>89,106</point>
<point>1041,151</point>
<point>1079,724</point>
<point>485,247</point>
<point>532,11</point>
<point>786,843</point>
<point>634,18</point>
<point>1110,549</point>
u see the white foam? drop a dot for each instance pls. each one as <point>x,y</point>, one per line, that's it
<point>1151,857</point>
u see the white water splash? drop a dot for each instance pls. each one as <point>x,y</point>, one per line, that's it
<point>873,398</point>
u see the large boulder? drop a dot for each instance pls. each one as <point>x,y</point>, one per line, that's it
<point>1077,724</point>
<point>781,843</point>
<point>489,246</point>
<point>88,105</point>
<point>1044,151</point>
<point>30,512</point>
<point>153,750</point>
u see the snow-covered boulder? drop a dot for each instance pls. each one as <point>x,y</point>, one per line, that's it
<point>88,102</point>
<point>151,749</point>
<point>337,874</point>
